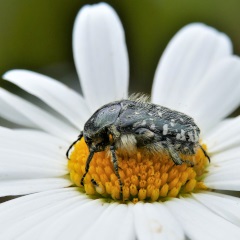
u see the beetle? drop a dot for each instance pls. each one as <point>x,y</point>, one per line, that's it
<point>135,123</point>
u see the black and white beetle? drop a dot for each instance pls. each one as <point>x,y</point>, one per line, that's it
<point>132,124</point>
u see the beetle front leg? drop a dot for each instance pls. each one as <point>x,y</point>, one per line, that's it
<point>89,159</point>
<point>115,166</point>
<point>174,155</point>
<point>114,132</point>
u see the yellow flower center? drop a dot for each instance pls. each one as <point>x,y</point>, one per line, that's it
<point>145,177</point>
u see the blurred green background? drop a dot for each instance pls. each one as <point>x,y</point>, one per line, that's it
<point>36,35</point>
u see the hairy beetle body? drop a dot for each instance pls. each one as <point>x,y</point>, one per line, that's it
<point>144,124</point>
<point>132,124</point>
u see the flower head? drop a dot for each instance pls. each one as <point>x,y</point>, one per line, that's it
<point>197,75</point>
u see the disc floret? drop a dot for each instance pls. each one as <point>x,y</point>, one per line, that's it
<point>145,177</point>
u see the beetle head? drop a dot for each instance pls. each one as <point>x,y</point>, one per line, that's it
<point>97,142</point>
<point>96,128</point>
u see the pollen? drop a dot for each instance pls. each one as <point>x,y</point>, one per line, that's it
<point>145,177</point>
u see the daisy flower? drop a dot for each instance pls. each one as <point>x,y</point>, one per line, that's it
<point>197,74</point>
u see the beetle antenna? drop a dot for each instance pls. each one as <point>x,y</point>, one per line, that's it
<point>79,138</point>
<point>205,153</point>
<point>90,156</point>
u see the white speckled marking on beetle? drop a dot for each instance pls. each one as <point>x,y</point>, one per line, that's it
<point>172,123</point>
<point>152,126</point>
<point>144,122</point>
<point>183,137</point>
<point>191,138</point>
<point>160,114</point>
<point>165,129</point>
<point>178,136</point>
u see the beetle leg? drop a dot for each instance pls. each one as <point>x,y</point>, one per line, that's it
<point>174,155</point>
<point>115,166</point>
<point>78,139</point>
<point>205,153</point>
<point>115,133</point>
<point>94,183</point>
<point>89,159</point>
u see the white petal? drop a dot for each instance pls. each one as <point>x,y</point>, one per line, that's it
<point>25,214</point>
<point>21,186</point>
<point>36,117</point>
<point>225,137</point>
<point>225,206</point>
<point>223,176</point>
<point>192,51</point>
<point>20,166</point>
<point>75,222</point>
<point>154,221</point>
<point>215,129</point>
<point>32,141</point>
<point>29,153</point>
<point>41,141</point>
<point>11,114</point>
<point>219,90</point>
<point>8,124</point>
<point>201,223</point>
<point>229,156</point>
<point>224,170</point>
<point>100,55</point>
<point>116,222</point>
<point>60,97</point>
<point>229,185</point>
<point>61,212</point>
